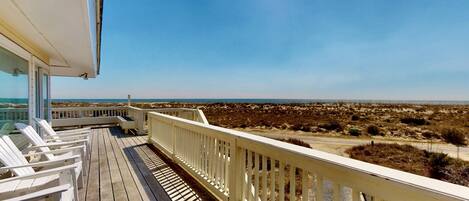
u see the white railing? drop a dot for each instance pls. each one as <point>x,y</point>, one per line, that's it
<point>13,114</point>
<point>141,115</point>
<point>80,112</point>
<point>235,165</point>
<point>77,116</point>
<point>185,113</point>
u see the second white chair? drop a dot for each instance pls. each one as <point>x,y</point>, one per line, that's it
<point>39,144</point>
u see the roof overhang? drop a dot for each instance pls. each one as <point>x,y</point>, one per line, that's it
<point>65,34</point>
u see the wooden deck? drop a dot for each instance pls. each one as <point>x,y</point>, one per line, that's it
<point>124,167</point>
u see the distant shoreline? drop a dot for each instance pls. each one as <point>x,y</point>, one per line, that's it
<point>266,101</point>
<point>254,101</point>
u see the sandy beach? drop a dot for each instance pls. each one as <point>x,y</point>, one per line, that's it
<point>393,121</point>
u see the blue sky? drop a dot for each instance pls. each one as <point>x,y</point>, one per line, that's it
<point>281,49</point>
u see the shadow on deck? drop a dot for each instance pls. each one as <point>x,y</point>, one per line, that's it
<point>125,167</point>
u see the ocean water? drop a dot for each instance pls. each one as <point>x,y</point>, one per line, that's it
<point>14,100</point>
<point>234,100</point>
<point>273,101</point>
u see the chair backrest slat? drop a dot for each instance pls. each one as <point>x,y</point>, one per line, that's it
<point>46,127</point>
<point>34,138</point>
<point>10,155</point>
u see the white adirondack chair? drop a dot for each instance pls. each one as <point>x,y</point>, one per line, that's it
<point>79,146</point>
<point>57,177</point>
<point>7,128</point>
<point>64,136</point>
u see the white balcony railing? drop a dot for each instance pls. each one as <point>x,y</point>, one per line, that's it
<point>141,115</point>
<point>235,165</point>
<point>8,114</point>
<point>79,116</point>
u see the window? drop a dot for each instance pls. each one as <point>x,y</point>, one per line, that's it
<point>45,95</point>
<point>13,91</point>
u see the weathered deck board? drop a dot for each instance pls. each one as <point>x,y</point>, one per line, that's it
<point>131,187</point>
<point>105,185</point>
<point>141,161</point>
<point>124,167</point>
<point>92,189</point>
<point>116,179</point>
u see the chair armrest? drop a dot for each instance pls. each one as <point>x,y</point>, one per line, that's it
<point>70,168</point>
<point>55,144</point>
<point>71,137</point>
<point>57,151</point>
<point>88,130</point>
<point>77,129</point>
<point>74,133</point>
<point>42,193</point>
<point>68,160</point>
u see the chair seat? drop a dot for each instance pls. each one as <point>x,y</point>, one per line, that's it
<point>68,155</point>
<point>27,185</point>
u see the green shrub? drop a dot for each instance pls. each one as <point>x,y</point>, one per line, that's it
<point>373,130</point>
<point>296,127</point>
<point>332,125</point>
<point>430,135</point>
<point>415,121</point>
<point>354,131</point>
<point>438,163</point>
<point>296,142</point>
<point>301,127</point>
<point>454,136</point>
<point>355,117</point>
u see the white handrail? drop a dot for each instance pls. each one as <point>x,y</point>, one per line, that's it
<point>235,165</point>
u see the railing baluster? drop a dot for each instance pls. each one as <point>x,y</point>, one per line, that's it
<point>228,155</point>
<point>218,161</point>
<point>222,166</point>
<point>356,195</point>
<point>243,174</point>
<point>249,184</point>
<point>281,180</point>
<point>207,157</point>
<point>292,182</point>
<point>204,154</point>
<point>319,188</point>
<point>264,177</point>
<point>212,159</point>
<point>336,193</point>
<point>193,150</point>
<point>304,184</point>
<point>272,179</point>
<point>256,176</point>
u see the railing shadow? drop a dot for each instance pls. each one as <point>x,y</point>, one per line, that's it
<point>165,179</point>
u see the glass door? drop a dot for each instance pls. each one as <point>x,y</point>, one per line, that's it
<point>42,94</point>
<point>37,94</point>
<point>46,97</point>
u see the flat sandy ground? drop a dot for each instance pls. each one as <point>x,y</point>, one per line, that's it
<point>338,144</point>
<point>327,126</point>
